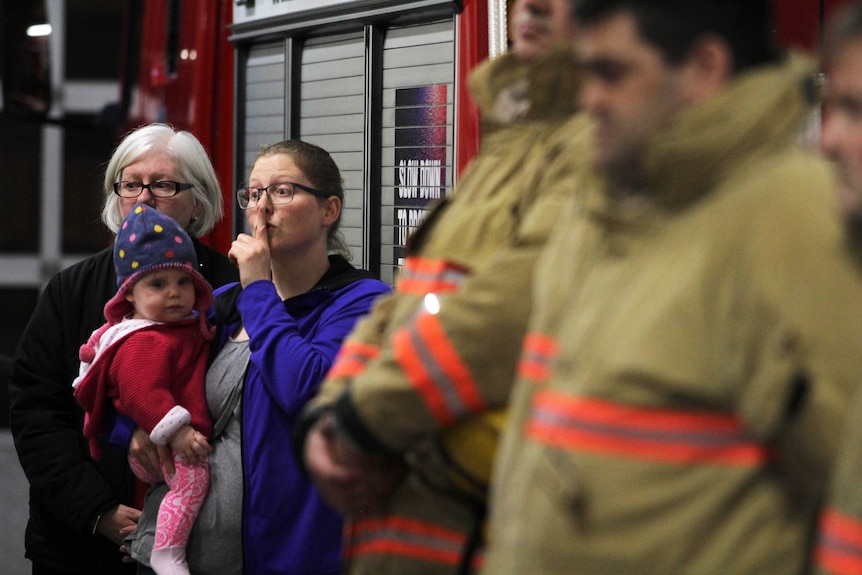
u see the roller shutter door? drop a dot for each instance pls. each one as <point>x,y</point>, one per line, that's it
<point>264,101</point>
<point>417,139</point>
<point>332,115</point>
<point>416,116</point>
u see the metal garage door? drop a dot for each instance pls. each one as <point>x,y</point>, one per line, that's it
<point>332,115</point>
<point>349,92</point>
<point>418,96</point>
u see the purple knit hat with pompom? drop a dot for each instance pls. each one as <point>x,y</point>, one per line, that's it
<point>149,240</point>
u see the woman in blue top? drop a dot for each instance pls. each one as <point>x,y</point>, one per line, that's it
<point>279,330</point>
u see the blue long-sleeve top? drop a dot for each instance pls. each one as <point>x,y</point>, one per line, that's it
<point>287,528</point>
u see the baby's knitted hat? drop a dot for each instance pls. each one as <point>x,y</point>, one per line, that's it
<point>149,240</point>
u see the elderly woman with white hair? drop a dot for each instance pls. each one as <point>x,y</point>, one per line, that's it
<point>81,510</point>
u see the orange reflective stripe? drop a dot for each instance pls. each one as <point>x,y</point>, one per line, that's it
<point>839,549</point>
<point>478,560</point>
<point>406,538</point>
<point>667,436</point>
<point>436,370</point>
<point>420,276</point>
<point>537,352</point>
<point>352,359</point>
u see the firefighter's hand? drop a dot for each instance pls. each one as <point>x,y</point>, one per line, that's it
<point>352,481</point>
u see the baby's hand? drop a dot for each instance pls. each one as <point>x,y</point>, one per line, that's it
<point>190,445</point>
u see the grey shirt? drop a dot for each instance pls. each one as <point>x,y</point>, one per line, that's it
<point>215,547</point>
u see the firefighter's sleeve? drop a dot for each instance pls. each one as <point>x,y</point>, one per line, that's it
<point>839,544</point>
<point>455,357</point>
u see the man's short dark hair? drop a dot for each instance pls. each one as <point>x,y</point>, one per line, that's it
<point>673,26</point>
<point>843,27</point>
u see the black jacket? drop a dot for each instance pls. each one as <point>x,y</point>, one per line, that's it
<point>67,488</point>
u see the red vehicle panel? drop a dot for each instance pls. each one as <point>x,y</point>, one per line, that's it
<point>185,78</point>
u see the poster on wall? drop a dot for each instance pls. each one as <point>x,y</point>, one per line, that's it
<point>420,159</point>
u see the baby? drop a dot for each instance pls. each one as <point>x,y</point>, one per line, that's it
<point>149,361</point>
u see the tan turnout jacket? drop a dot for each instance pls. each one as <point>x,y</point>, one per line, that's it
<point>689,360</point>
<point>406,373</point>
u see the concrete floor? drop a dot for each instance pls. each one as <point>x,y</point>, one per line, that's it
<point>13,509</point>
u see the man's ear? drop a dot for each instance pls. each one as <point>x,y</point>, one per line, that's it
<point>708,68</point>
<point>331,210</point>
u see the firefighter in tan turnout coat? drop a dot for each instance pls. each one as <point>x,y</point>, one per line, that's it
<point>455,321</point>
<point>839,546</point>
<point>696,330</point>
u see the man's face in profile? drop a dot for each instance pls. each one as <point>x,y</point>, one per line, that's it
<point>538,26</point>
<point>629,90</point>
<point>841,138</point>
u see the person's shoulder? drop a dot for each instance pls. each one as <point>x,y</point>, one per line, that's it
<point>343,277</point>
<point>786,209</point>
<point>371,285</point>
<point>358,296</point>
<point>489,76</point>
<point>794,181</point>
<point>99,261</point>
<point>95,269</point>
